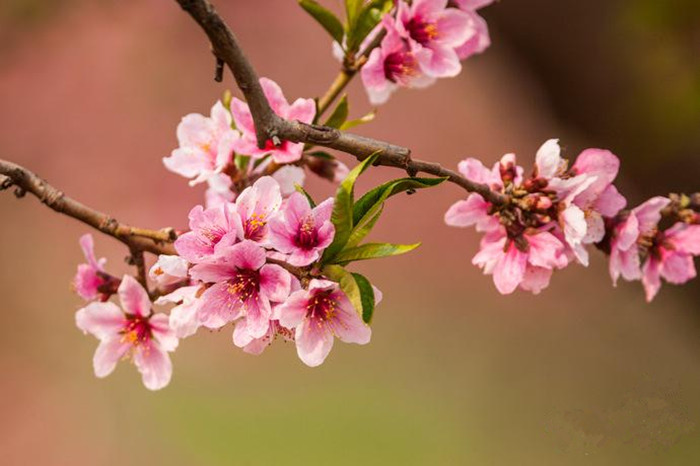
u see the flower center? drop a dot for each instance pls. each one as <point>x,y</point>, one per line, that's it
<point>255,227</point>
<point>136,331</point>
<point>321,307</point>
<point>421,31</point>
<point>307,237</point>
<point>400,65</point>
<point>213,234</point>
<point>244,285</point>
<point>269,145</point>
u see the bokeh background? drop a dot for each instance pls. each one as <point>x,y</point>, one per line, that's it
<point>90,95</point>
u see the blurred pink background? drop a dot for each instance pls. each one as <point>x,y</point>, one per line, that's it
<point>90,95</point>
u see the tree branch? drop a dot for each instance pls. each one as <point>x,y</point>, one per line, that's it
<point>269,126</point>
<point>137,239</point>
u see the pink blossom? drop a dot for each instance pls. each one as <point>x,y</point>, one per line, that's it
<point>434,32</point>
<point>671,257</point>
<point>255,206</point>
<point>526,260</point>
<point>390,66</point>
<point>207,228</point>
<point>184,317</point>
<point>317,315</point>
<point>243,339</point>
<point>168,270</point>
<point>206,145</point>
<point>480,40</point>
<point>132,330</point>
<point>640,226</point>
<point>475,210</point>
<point>288,177</point>
<point>302,232</point>
<point>303,110</point>
<point>219,191</point>
<point>91,277</point>
<point>243,286</point>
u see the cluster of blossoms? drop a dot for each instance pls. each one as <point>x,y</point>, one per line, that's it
<point>554,214</point>
<point>261,256</point>
<point>233,265</point>
<point>424,40</point>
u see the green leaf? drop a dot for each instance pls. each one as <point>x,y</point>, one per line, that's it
<point>366,21</point>
<point>372,251</point>
<point>359,121</point>
<point>325,18</point>
<point>352,11</point>
<point>362,229</point>
<point>299,188</point>
<point>367,204</point>
<point>342,216</point>
<point>241,162</point>
<point>366,296</point>
<point>339,115</point>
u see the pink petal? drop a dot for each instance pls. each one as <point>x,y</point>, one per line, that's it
<point>314,342</point>
<point>194,130</point>
<point>88,247</point>
<point>649,213</point>
<point>108,354</point>
<point>217,306</point>
<point>292,311</point>
<point>86,282</point>
<point>677,268</point>
<point>600,163</point>
<point>242,116</point>
<point>133,297</point>
<point>275,96</point>
<point>303,110</point>
<point>163,334</point>
<point>610,202</point>
<point>275,282</point>
<point>651,279</point>
<point>454,27</point>
<point>246,255</point>
<point>103,320</point>
<point>685,238</point>
<point>473,210</point>
<point>257,316</point>
<point>510,270</point>
<point>288,177</point>
<point>548,159</point>
<point>545,249</point>
<point>348,325</point>
<point>536,279</point>
<point>154,365</point>
<point>439,61</point>
<point>478,42</point>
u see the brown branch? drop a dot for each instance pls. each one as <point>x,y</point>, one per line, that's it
<point>269,126</point>
<point>137,239</point>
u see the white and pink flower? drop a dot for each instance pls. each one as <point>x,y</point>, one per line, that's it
<point>242,286</point>
<point>132,330</point>
<point>91,279</point>
<point>303,110</point>
<point>390,66</point>
<point>524,261</point>
<point>317,315</point>
<point>434,32</point>
<point>302,232</point>
<point>207,228</point>
<point>206,145</point>
<point>256,205</point>
<point>480,40</point>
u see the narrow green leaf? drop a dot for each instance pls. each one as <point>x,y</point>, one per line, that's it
<point>359,121</point>
<point>339,115</point>
<point>366,296</point>
<point>362,229</point>
<point>325,18</point>
<point>352,11</point>
<point>368,202</point>
<point>343,209</point>
<point>372,251</point>
<point>241,162</point>
<point>368,18</point>
<point>299,188</point>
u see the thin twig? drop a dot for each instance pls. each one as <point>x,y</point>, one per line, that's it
<point>269,126</point>
<point>137,239</point>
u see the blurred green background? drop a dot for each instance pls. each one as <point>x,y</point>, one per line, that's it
<point>90,95</point>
